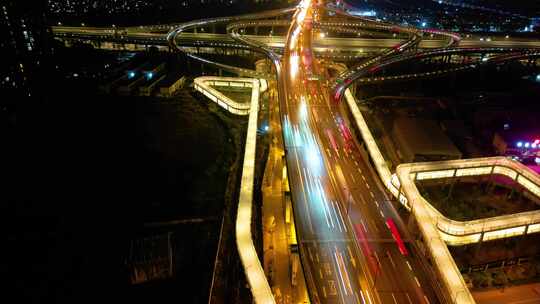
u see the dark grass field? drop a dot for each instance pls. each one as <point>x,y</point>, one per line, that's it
<point>86,172</point>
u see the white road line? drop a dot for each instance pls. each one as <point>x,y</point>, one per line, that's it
<point>362,296</point>
<point>368,186</point>
<point>382,214</point>
<point>394,297</point>
<point>409,265</point>
<point>305,195</point>
<point>340,216</point>
<point>425,298</point>
<point>390,257</point>
<point>371,193</point>
<point>357,298</point>
<point>339,272</point>
<point>408,298</point>
<point>376,204</point>
<point>368,296</point>
<point>377,258</point>
<point>363,226</point>
<point>332,203</point>
<point>417,282</point>
<point>363,177</point>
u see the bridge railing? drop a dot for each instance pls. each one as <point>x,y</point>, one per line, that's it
<point>260,288</point>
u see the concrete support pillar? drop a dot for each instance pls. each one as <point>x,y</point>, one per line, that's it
<point>478,246</point>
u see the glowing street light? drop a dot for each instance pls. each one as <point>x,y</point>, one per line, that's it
<point>519,144</point>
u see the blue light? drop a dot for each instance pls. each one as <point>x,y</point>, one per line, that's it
<point>527,145</point>
<point>131,74</point>
<point>150,75</point>
<point>538,77</point>
<point>519,144</point>
<point>266,128</point>
<point>424,24</point>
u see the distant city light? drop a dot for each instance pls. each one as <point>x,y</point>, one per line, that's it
<point>266,128</point>
<point>150,75</point>
<point>537,160</point>
<point>527,144</point>
<point>534,146</point>
<point>131,74</point>
<point>538,77</point>
<point>519,144</point>
<point>371,13</point>
<point>424,24</point>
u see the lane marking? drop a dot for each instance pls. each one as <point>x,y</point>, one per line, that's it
<point>409,265</point>
<point>368,186</point>
<point>340,275</point>
<point>362,295</point>
<point>368,296</point>
<point>425,298</point>
<point>408,298</point>
<point>393,297</point>
<point>417,282</point>
<point>382,214</point>
<point>371,193</point>
<point>357,298</point>
<point>390,257</point>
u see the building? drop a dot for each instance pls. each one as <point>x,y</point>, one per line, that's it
<point>171,84</point>
<point>419,140</point>
<point>27,49</point>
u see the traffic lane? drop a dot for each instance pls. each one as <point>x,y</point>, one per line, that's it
<point>379,226</point>
<point>374,211</point>
<point>321,288</point>
<point>380,201</point>
<point>302,177</point>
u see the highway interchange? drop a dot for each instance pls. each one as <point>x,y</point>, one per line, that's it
<point>342,211</point>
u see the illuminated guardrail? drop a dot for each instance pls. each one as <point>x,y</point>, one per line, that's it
<point>204,85</point>
<point>457,232</point>
<point>465,232</point>
<point>437,230</point>
<point>260,288</point>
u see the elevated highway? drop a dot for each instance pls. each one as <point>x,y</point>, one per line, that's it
<point>347,247</point>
